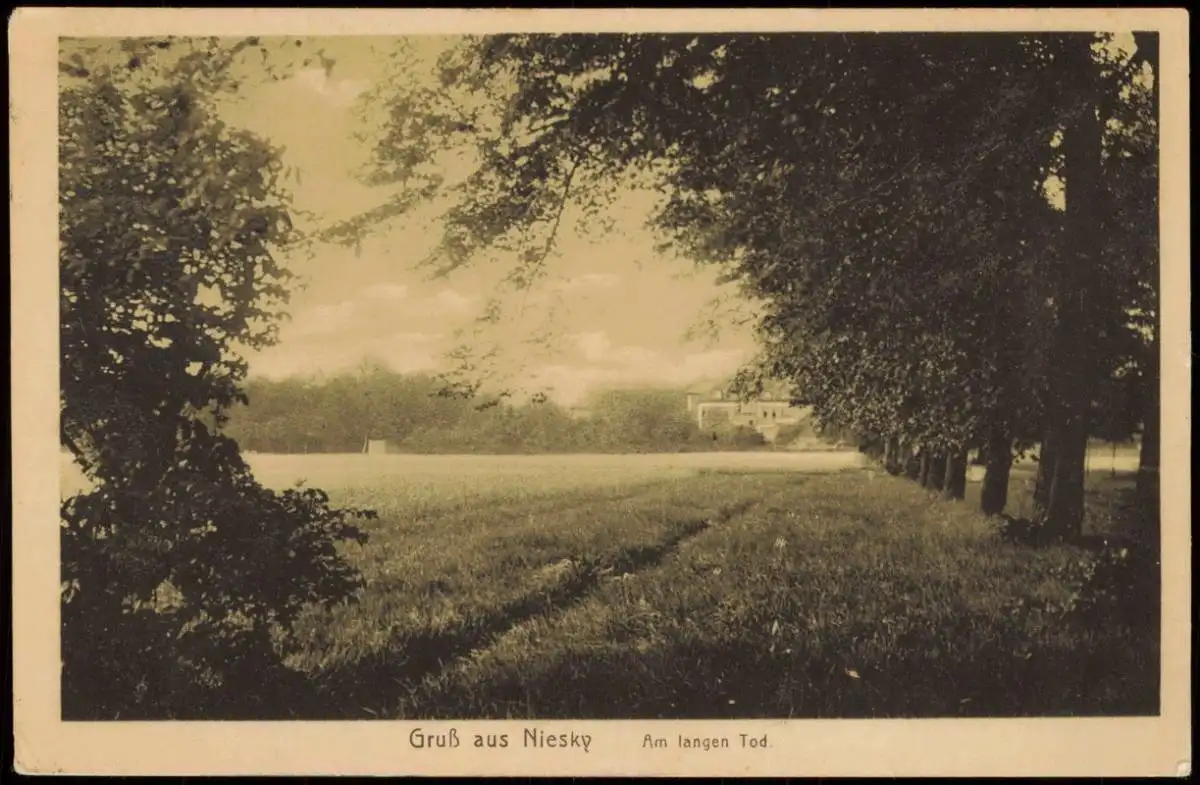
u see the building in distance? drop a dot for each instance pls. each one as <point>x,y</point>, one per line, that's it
<point>767,413</point>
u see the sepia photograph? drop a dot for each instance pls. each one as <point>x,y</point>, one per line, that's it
<point>480,384</point>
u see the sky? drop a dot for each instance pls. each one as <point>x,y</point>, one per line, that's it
<point>612,312</point>
<point>616,313</point>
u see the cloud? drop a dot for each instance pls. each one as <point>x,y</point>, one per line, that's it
<point>594,346</point>
<point>339,92</point>
<point>447,302</point>
<point>702,365</point>
<point>597,347</point>
<point>452,301</point>
<point>604,364</point>
<point>578,285</point>
<point>404,352</point>
<point>571,384</point>
<point>409,359</point>
<point>386,291</point>
<point>588,281</point>
<point>412,338</point>
<point>381,309</point>
<point>634,357</point>
<point>322,320</point>
<point>408,352</point>
<point>280,362</point>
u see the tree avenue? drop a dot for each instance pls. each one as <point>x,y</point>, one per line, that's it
<point>956,251</point>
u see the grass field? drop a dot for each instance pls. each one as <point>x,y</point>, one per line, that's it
<point>695,586</point>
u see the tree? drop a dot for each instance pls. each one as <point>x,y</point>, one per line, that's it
<point>1140,210</point>
<point>1101,285</point>
<point>649,420</point>
<point>180,572</point>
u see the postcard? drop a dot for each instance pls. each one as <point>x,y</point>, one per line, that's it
<point>626,392</point>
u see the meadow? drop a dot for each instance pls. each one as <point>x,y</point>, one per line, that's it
<point>703,586</point>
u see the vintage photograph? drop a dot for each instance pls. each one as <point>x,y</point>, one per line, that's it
<point>544,376</point>
<point>905,466</point>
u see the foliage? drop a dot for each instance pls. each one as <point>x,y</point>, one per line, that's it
<point>919,282</point>
<point>340,413</point>
<point>1023,531</point>
<point>181,590</point>
<point>170,225</point>
<point>1124,587</point>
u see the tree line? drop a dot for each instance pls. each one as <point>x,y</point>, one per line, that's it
<point>341,413</point>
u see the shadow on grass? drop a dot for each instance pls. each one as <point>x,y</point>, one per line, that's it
<point>1089,673</point>
<point>739,680</point>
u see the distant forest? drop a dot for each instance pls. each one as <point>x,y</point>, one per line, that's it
<point>340,413</point>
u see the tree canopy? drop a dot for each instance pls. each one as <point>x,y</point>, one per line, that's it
<point>943,226</point>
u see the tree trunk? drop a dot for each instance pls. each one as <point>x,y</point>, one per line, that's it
<point>1058,498</point>
<point>926,467</point>
<point>1062,509</point>
<point>993,497</point>
<point>893,459</point>
<point>912,463</point>
<point>1147,491</point>
<point>1045,470</point>
<point>954,486</point>
<point>937,472</point>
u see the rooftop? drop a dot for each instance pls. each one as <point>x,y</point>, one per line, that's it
<point>773,392</point>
